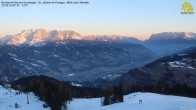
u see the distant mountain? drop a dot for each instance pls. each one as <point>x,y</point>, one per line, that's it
<point>33,36</point>
<point>172,36</point>
<point>5,39</point>
<point>167,43</point>
<point>114,38</point>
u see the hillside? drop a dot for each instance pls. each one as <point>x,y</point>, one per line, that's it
<point>167,72</point>
<point>73,60</point>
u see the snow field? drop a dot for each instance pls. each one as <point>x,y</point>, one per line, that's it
<point>150,101</point>
<point>8,98</point>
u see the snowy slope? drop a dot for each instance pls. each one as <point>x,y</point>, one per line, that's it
<point>8,100</point>
<point>150,101</point>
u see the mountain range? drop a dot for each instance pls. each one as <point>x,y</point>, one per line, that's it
<point>162,44</point>
<point>60,65</point>
<point>33,36</point>
<point>167,43</point>
<point>173,36</point>
<point>87,60</point>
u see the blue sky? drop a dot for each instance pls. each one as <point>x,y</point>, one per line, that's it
<point>138,18</point>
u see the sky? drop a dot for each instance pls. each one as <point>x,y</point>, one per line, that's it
<point>135,18</point>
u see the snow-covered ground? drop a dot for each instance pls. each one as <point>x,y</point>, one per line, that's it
<point>150,101</point>
<point>8,98</point>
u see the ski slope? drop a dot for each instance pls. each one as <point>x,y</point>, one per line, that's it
<point>8,98</point>
<point>150,101</point>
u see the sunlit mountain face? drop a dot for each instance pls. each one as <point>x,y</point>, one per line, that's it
<point>33,36</point>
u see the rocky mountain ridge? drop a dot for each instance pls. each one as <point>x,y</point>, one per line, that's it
<point>33,36</point>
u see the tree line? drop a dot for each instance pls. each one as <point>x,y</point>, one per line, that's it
<point>178,89</point>
<point>113,95</point>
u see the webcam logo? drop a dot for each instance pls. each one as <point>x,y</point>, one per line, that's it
<point>187,8</point>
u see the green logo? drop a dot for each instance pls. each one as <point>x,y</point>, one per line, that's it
<point>187,8</point>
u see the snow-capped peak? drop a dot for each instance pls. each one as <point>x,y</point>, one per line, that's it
<point>173,36</point>
<point>39,35</point>
<point>32,36</point>
<point>5,39</point>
